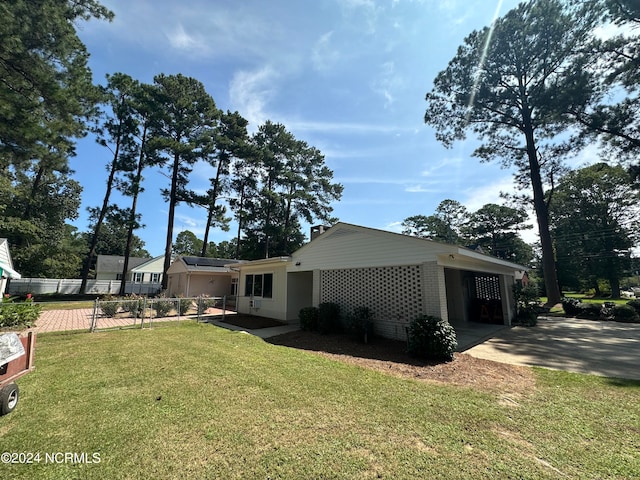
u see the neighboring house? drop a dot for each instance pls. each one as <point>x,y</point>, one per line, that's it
<point>6,265</point>
<point>109,267</point>
<point>194,276</point>
<point>398,277</point>
<point>147,272</point>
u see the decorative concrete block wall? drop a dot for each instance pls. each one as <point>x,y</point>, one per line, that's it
<point>394,295</point>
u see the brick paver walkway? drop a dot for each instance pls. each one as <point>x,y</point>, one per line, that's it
<point>80,319</point>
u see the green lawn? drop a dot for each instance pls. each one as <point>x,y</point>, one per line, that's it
<point>196,401</point>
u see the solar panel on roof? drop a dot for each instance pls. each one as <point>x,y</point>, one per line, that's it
<point>206,262</point>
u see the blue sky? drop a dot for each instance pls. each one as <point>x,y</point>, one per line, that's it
<point>347,76</point>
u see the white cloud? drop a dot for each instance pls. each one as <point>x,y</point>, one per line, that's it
<point>417,189</point>
<point>442,166</point>
<point>387,82</point>
<point>251,91</point>
<point>325,56</point>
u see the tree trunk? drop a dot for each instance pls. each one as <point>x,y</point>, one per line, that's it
<point>172,211</point>
<point>132,218</point>
<point>212,204</point>
<point>542,215</point>
<point>103,213</point>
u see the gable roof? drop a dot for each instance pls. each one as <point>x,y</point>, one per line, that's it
<point>393,247</point>
<point>148,265</point>
<point>115,263</point>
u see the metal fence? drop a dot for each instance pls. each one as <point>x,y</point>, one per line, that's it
<point>71,286</point>
<point>140,312</point>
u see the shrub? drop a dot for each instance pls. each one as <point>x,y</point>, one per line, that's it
<point>328,317</point>
<point>18,314</point>
<point>184,304</point>
<point>134,305</point>
<point>360,323</point>
<point>308,318</point>
<point>635,304</point>
<point>431,337</point>
<point>203,303</point>
<point>589,311</point>
<point>527,307</point>
<point>571,306</point>
<point>625,314</point>
<point>162,306</point>
<point>109,305</point>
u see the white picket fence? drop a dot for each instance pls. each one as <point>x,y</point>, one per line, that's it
<point>70,286</point>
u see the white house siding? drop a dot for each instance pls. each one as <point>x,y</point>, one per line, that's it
<point>274,307</point>
<point>360,247</point>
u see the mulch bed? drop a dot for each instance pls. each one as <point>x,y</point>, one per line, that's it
<point>390,357</point>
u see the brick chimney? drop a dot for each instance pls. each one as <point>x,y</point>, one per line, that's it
<point>318,230</point>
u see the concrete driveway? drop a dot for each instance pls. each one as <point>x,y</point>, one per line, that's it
<point>607,349</point>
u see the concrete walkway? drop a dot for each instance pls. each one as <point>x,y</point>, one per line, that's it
<point>606,349</point>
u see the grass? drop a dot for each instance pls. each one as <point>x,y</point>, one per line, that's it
<point>196,401</point>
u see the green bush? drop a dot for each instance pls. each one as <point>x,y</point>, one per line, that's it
<point>18,314</point>
<point>590,311</point>
<point>571,306</point>
<point>162,306</point>
<point>431,337</point>
<point>360,323</point>
<point>635,304</point>
<point>527,307</point>
<point>109,306</point>
<point>203,303</point>
<point>184,304</point>
<point>308,318</point>
<point>134,305</point>
<point>625,314</point>
<point>328,317</point>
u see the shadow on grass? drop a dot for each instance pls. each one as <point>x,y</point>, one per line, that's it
<point>344,344</point>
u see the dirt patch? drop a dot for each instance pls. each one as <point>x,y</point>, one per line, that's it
<point>389,356</point>
<point>251,322</point>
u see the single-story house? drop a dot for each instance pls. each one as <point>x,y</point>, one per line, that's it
<point>6,265</point>
<point>398,277</point>
<point>194,276</point>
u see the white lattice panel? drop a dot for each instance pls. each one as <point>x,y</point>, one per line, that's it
<point>394,294</point>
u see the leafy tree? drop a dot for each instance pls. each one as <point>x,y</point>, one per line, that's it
<point>112,239</point>
<point>46,90</point>
<point>226,249</point>
<point>514,85</point>
<point>496,228</point>
<point>34,220</point>
<point>187,243</point>
<point>445,225</point>
<point>596,220</point>
<point>616,121</point>
<point>180,136</point>
<point>279,182</point>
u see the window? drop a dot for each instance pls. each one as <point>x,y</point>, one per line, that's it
<point>137,277</point>
<point>234,287</point>
<point>118,276</point>
<point>260,285</point>
<point>155,278</point>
